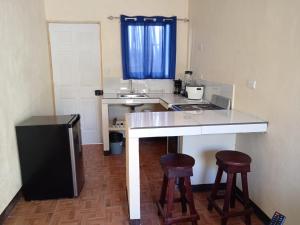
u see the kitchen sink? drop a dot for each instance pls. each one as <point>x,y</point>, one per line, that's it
<point>132,95</point>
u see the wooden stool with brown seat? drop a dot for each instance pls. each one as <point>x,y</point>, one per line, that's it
<point>232,162</point>
<point>177,166</point>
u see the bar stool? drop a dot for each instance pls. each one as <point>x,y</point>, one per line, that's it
<point>231,162</point>
<point>177,167</point>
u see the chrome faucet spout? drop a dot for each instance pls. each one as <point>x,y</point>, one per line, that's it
<point>131,86</point>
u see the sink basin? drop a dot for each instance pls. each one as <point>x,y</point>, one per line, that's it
<point>132,95</point>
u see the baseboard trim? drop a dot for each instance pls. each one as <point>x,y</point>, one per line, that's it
<point>257,211</point>
<point>10,207</point>
<point>135,222</point>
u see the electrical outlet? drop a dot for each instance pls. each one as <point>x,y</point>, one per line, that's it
<point>251,84</point>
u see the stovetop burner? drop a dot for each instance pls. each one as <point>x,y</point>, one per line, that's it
<point>191,107</point>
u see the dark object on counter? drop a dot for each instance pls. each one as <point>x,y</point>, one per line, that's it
<point>50,155</point>
<point>231,162</point>
<point>115,143</point>
<point>177,86</point>
<point>177,167</point>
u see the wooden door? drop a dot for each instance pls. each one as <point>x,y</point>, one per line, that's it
<point>75,54</point>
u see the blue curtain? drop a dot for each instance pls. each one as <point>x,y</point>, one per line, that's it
<point>148,47</point>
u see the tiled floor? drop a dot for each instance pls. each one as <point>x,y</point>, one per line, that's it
<point>103,198</point>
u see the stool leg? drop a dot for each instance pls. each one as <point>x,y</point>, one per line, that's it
<point>246,197</point>
<point>232,200</point>
<point>170,197</point>
<point>215,188</point>
<point>163,192</point>
<point>227,198</point>
<point>182,195</point>
<point>189,193</point>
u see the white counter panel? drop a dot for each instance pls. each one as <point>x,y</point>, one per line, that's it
<point>203,149</point>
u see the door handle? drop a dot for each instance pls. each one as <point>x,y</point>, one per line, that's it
<point>98,92</point>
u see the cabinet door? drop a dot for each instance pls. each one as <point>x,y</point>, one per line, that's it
<point>75,54</point>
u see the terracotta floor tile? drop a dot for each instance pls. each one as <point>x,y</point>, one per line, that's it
<point>103,199</point>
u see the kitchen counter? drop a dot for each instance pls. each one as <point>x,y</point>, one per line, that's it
<point>166,100</point>
<point>203,133</point>
<point>190,118</point>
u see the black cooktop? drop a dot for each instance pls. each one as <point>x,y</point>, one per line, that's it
<point>191,107</point>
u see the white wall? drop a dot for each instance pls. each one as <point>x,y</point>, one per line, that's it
<point>235,41</point>
<point>99,10</point>
<point>25,82</point>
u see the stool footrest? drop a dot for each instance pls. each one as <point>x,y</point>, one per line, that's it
<point>183,218</point>
<point>229,214</point>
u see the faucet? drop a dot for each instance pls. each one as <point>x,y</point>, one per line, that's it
<point>131,86</point>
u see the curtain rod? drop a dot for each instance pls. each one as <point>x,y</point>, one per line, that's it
<point>178,19</point>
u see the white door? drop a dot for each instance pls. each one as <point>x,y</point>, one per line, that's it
<point>75,53</point>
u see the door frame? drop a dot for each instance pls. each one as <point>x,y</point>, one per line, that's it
<point>50,54</point>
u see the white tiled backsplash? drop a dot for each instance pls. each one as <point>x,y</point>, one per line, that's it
<point>216,88</point>
<point>117,85</point>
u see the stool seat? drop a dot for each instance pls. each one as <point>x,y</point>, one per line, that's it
<point>233,158</point>
<point>177,165</point>
<point>177,160</point>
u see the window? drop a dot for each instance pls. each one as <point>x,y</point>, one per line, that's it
<point>148,47</point>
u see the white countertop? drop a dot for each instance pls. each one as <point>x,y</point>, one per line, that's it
<point>189,118</point>
<point>173,99</point>
<point>169,99</point>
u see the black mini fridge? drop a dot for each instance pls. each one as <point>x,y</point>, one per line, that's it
<point>50,153</point>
